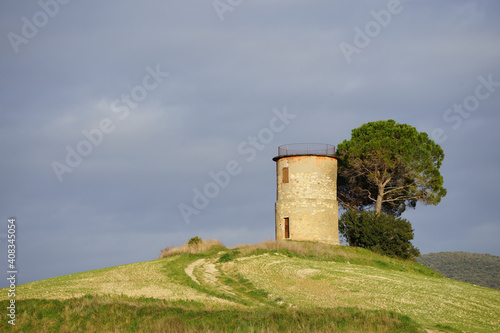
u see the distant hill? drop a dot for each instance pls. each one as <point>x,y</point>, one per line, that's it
<point>476,268</point>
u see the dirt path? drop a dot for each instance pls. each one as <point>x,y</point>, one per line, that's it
<point>190,269</point>
<point>209,275</point>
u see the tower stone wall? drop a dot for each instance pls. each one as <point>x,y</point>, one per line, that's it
<point>306,205</point>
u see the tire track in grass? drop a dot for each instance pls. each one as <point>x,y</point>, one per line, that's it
<point>190,269</point>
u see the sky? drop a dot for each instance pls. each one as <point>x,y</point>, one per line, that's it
<point>129,126</point>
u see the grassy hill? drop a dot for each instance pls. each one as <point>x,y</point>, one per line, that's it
<point>476,268</point>
<point>268,287</point>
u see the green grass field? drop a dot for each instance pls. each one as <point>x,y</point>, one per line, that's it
<point>268,287</point>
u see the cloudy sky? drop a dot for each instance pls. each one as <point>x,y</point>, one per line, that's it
<point>114,114</point>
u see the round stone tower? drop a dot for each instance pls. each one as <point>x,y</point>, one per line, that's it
<point>306,204</point>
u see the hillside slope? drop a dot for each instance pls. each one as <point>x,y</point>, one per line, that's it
<point>276,278</point>
<point>476,268</point>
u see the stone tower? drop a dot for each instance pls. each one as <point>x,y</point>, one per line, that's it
<point>306,204</point>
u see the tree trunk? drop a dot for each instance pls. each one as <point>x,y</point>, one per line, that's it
<point>380,197</point>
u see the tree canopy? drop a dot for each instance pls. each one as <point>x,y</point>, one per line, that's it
<point>390,167</point>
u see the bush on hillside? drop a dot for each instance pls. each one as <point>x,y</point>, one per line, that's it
<point>195,241</point>
<point>191,247</point>
<point>381,233</point>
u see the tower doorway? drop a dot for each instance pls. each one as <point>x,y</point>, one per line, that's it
<point>287,227</point>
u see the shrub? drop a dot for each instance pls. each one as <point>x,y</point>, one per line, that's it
<point>225,257</point>
<point>200,247</point>
<point>381,233</point>
<point>228,256</point>
<point>195,241</point>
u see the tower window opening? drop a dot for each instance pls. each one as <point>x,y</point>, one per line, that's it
<point>287,227</point>
<point>285,175</point>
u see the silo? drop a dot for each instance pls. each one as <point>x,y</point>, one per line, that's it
<point>306,204</point>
